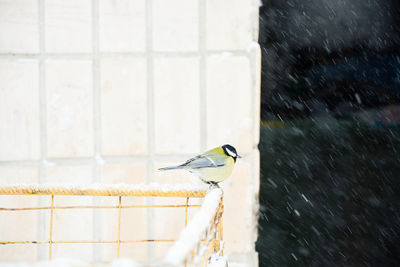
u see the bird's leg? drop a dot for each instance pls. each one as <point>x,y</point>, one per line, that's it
<point>213,185</point>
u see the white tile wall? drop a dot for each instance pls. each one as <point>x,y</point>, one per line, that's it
<point>107,91</point>
<point>175,25</point>
<point>177,126</point>
<point>121,25</point>
<point>241,242</point>
<point>229,106</point>
<point>19,26</point>
<point>230,24</point>
<point>123,106</point>
<point>174,177</point>
<point>69,108</point>
<point>131,173</point>
<point>68,26</point>
<point>19,110</point>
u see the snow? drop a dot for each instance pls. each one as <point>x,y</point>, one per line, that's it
<point>272,182</point>
<point>64,262</point>
<point>226,55</point>
<point>294,256</point>
<point>331,24</point>
<point>194,231</point>
<point>253,46</point>
<point>297,212</point>
<point>123,262</point>
<point>99,159</point>
<point>61,262</point>
<point>217,261</point>
<point>48,163</point>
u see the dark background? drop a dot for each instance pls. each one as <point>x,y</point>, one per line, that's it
<point>330,138</point>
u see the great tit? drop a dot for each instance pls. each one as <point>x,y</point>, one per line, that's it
<point>213,166</point>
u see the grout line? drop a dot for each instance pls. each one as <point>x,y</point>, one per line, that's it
<point>89,160</point>
<point>42,90</point>
<point>150,121</point>
<point>96,84</point>
<point>150,90</point>
<point>74,56</point>
<point>97,227</point>
<point>69,161</point>
<point>43,121</point>
<point>203,74</point>
<point>24,163</point>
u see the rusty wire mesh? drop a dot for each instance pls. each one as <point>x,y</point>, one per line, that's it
<point>209,244</point>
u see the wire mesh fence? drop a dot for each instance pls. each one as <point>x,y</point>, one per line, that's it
<point>201,246</point>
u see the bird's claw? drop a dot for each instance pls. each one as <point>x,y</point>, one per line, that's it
<point>213,185</point>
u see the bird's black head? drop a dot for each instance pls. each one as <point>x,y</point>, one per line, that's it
<point>230,151</point>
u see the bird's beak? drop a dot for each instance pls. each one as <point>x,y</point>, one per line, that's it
<point>238,156</point>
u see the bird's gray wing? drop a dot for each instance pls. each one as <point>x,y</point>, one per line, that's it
<point>203,161</point>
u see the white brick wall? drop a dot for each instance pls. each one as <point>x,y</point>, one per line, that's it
<point>19,31</point>
<point>121,26</point>
<point>123,106</point>
<point>19,110</point>
<point>107,91</point>
<point>68,26</point>
<point>177,126</point>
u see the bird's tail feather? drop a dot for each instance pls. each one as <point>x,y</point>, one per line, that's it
<point>170,168</point>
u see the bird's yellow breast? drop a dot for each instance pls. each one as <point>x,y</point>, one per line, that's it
<point>217,174</point>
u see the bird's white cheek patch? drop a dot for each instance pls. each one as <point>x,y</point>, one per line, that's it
<point>232,154</point>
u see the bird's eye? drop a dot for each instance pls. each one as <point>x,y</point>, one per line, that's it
<point>232,154</point>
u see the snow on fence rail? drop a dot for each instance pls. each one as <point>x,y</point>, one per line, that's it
<point>209,220</point>
<point>154,189</point>
<point>200,239</point>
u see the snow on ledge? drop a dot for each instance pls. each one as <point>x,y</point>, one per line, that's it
<point>192,234</point>
<point>105,189</point>
<point>65,262</point>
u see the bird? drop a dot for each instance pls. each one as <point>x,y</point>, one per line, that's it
<point>213,166</point>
